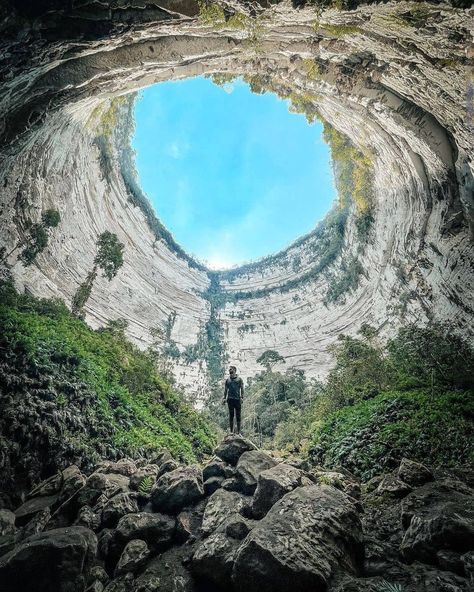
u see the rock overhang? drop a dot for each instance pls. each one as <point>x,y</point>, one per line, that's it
<point>394,89</point>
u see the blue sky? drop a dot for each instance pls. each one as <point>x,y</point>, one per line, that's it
<point>233,175</point>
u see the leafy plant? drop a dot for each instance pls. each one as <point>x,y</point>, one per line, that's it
<point>146,485</point>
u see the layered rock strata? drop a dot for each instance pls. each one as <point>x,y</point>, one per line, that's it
<point>395,78</point>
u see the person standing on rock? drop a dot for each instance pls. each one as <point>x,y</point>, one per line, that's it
<point>234,395</point>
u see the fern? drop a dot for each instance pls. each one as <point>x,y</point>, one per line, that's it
<point>145,485</point>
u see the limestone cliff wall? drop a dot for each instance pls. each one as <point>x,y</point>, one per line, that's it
<point>393,82</point>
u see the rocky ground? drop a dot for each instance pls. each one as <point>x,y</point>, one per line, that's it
<point>247,520</point>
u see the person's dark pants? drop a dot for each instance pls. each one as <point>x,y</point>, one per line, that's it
<point>234,407</point>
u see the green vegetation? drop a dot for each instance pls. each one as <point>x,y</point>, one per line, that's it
<point>81,394</point>
<point>146,485</point>
<point>413,397</point>
<point>36,238</point>
<point>269,358</point>
<point>346,281</point>
<point>109,258</point>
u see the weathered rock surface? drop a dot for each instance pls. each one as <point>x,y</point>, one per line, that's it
<point>56,560</point>
<point>300,543</point>
<point>232,448</point>
<point>176,489</point>
<point>249,467</point>
<point>274,483</point>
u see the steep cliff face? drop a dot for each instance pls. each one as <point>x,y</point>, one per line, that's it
<point>395,78</point>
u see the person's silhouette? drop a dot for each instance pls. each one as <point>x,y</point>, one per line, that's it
<point>234,395</point>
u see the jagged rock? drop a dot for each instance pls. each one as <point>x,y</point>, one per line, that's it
<point>439,521</point>
<point>121,584</point>
<point>468,564</point>
<point>37,523</point>
<point>392,485</point>
<point>133,557</point>
<point>147,472</point>
<point>50,486</point>
<point>96,586</point>
<point>57,560</point>
<point>167,573</point>
<point>413,473</point>
<point>212,484</point>
<point>33,506</point>
<point>249,467</point>
<point>108,484</point>
<point>88,518</point>
<point>99,573</point>
<point>189,521</point>
<point>177,489</point>
<point>304,537</point>
<point>232,448</point>
<point>219,506</point>
<point>166,467</point>
<point>157,530</point>
<point>214,558</point>
<point>73,481</point>
<point>237,527</point>
<point>125,467</point>
<point>450,561</point>
<point>274,483</point>
<point>118,506</point>
<point>7,522</point>
<point>217,468</point>
<point>342,481</point>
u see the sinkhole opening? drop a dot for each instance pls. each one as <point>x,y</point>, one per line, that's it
<point>232,174</point>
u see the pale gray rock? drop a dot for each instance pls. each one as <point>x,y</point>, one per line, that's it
<point>117,506</point>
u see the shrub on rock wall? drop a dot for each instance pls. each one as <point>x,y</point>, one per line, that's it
<point>71,395</point>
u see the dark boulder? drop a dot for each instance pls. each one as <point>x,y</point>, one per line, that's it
<point>217,468</point>
<point>219,506</point>
<point>232,448</point>
<point>57,560</point>
<point>157,530</point>
<point>249,467</point>
<point>438,518</point>
<point>117,507</point>
<point>273,484</point>
<point>33,506</point>
<point>413,473</point>
<point>133,557</point>
<point>177,489</point>
<point>304,538</point>
<point>392,485</point>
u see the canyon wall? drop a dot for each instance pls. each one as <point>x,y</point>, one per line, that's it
<point>395,78</point>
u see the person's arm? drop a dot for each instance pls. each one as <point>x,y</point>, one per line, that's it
<point>241,390</point>
<point>225,392</point>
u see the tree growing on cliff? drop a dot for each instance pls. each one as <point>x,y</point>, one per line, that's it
<point>109,258</point>
<point>269,358</point>
<point>36,238</point>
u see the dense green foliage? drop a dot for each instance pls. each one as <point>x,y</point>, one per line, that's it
<point>377,404</point>
<point>81,394</point>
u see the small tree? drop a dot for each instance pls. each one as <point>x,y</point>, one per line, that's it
<point>37,238</point>
<point>109,258</point>
<point>269,358</point>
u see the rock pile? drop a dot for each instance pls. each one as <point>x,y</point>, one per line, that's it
<point>246,521</point>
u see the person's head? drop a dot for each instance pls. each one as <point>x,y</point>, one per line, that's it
<point>232,370</point>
